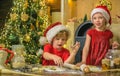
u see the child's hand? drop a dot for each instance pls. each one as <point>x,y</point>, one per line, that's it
<point>115,45</point>
<point>79,64</point>
<point>58,60</point>
<point>76,46</point>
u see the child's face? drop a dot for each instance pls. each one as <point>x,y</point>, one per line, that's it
<point>99,21</point>
<point>58,42</point>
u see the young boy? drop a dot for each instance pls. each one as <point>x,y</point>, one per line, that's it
<point>54,53</point>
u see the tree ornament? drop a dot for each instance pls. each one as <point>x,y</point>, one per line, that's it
<point>106,3</point>
<point>13,38</point>
<point>27,38</point>
<point>41,13</point>
<point>24,16</point>
<point>43,3</point>
<point>25,5</point>
<point>13,16</point>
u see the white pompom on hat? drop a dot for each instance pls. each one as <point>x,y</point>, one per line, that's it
<point>53,30</point>
<point>105,12</point>
<point>42,40</point>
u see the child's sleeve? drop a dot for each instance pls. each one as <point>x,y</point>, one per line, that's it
<point>47,48</point>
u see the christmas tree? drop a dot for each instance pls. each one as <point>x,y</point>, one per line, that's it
<point>25,24</point>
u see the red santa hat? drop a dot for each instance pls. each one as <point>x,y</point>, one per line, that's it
<point>105,12</point>
<point>53,30</point>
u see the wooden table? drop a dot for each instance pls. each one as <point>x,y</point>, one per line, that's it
<point>65,74</point>
<point>113,72</point>
<point>88,74</point>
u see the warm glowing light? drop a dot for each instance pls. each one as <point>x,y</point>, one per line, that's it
<point>50,2</point>
<point>70,2</point>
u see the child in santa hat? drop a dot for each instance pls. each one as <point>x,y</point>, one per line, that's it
<point>54,53</point>
<point>98,38</point>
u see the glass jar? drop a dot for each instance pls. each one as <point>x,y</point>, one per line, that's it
<point>110,57</point>
<point>105,64</point>
<point>18,61</point>
<point>116,59</point>
<point>113,58</point>
<point>3,57</point>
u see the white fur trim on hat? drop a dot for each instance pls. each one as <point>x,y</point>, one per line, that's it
<point>53,31</point>
<point>104,13</point>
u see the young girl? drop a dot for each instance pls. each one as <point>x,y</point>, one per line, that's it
<point>99,38</point>
<point>54,53</point>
